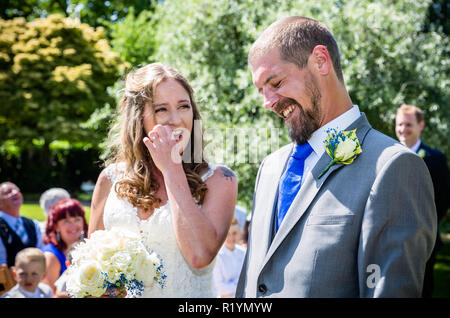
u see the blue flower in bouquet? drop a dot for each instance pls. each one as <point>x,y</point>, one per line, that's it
<point>134,287</point>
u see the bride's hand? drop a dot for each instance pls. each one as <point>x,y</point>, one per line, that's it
<point>164,147</point>
<point>115,292</point>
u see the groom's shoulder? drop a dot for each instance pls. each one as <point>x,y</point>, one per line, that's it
<point>381,148</point>
<point>379,142</point>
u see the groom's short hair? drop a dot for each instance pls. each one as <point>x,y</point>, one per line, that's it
<point>296,38</point>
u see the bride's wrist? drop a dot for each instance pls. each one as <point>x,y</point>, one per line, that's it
<point>172,170</point>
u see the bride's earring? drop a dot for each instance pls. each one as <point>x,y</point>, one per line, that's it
<point>58,236</point>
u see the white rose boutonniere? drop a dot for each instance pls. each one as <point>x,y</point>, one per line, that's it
<point>422,153</point>
<point>342,146</point>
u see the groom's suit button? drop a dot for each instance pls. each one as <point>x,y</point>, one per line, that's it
<point>262,288</point>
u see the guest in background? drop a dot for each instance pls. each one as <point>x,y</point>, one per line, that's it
<point>240,213</point>
<point>409,124</point>
<point>48,200</point>
<point>28,271</point>
<point>246,231</point>
<point>16,232</point>
<point>66,225</point>
<point>229,263</point>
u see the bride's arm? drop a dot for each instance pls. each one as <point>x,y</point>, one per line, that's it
<point>200,232</point>
<point>101,191</point>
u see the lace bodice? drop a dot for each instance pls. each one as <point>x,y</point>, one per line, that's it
<point>157,232</point>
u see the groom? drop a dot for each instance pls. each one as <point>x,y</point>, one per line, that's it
<point>361,229</point>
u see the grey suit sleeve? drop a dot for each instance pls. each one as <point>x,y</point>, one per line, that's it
<point>398,229</point>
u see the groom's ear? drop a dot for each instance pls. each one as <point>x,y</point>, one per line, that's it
<point>320,60</point>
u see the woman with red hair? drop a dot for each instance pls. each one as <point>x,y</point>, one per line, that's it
<point>66,225</point>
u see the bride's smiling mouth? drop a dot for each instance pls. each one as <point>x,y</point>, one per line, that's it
<point>178,134</point>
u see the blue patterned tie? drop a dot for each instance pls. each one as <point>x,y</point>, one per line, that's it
<point>20,231</point>
<point>291,180</point>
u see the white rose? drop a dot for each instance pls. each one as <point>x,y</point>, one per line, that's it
<point>111,271</point>
<point>146,265</point>
<point>345,150</point>
<point>107,247</point>
<point>87,280</point>
<point>83,251</point>
<point>122,261</point>
<point>73,283</point>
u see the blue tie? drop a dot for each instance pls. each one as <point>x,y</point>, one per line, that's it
<point>20,231</point>
<point>291,180</point>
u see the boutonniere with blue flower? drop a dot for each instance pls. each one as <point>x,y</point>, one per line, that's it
<point>422,153</point>
<point>342,146</point>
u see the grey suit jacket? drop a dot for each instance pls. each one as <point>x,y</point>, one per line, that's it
<point>361,230</point>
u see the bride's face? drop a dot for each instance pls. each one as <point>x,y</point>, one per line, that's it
<point>172,107</point>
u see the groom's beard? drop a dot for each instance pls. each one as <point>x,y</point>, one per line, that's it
<point>301,127</point>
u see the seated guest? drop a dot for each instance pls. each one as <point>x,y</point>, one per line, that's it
<point>66,225</point>
<point>28,271</point>
<point>16,232</point>
<point>48,200</point>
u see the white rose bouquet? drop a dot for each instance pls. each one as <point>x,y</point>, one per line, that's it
<point>115,258</point>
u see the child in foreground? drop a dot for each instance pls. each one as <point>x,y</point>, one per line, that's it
<point>28,271</point>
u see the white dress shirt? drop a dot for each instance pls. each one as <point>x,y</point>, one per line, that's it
<point>227,269</point>
<point>318,137</point>
<point>416,146</point>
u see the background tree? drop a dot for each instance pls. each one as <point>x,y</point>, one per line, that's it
<point>94,12</point>
<point>134,37</point>
<point>54,74</point>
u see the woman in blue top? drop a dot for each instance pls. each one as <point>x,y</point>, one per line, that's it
<point>66,224</point>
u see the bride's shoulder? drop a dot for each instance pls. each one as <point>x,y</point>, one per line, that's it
<point>220,175</point>
<point>222,184</point>
<point>114,171</point>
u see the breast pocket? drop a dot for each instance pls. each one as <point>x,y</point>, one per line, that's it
<point>330,219</point>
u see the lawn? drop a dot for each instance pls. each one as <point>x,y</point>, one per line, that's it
<point>442,273</point>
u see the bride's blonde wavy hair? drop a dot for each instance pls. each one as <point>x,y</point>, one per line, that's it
<point>139,186</point>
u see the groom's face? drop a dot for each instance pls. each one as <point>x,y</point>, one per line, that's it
<point>289,92</point>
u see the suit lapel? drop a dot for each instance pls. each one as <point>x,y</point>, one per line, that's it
<point>311,186</point>
<point>266,203</point>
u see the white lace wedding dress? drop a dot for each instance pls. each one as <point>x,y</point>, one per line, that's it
<point>157,232</point>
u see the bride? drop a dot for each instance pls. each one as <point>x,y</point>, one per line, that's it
<point>155,186</point>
